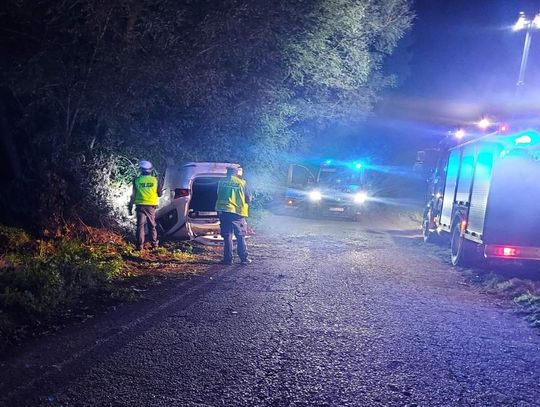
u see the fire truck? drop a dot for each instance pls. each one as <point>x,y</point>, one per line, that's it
<point>330,189</point>
<point>484,194</point>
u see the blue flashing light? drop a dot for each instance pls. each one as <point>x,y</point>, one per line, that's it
<point>328,162</point>
<point>358,166</point>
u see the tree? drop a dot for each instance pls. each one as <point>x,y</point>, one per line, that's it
<point>235,80</point>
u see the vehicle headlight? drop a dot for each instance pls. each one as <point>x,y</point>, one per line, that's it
<point>360,197</point>
<point>315,195</point>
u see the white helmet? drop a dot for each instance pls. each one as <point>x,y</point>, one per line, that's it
<point>145,165</point>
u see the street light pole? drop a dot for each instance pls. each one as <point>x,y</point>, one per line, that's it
<point>523,23</point>
<point>524,58</point>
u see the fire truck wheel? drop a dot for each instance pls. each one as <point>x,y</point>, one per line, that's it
<point>461,250</point>
<point>428,235</point>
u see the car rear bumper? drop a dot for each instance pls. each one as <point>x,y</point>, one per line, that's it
<point>203,226</point>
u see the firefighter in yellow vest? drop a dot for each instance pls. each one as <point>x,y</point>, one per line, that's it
<point>233,208</point>
<point>146,191</point>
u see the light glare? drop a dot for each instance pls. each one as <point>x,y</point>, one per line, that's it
<point>521,22</point>
<point>525,139</point>
<point>315,195</point>
<point>524,23</point>
<point>120,194</point>
<point>484,123</point>
<point>360,197</point>
<point>536,21</point>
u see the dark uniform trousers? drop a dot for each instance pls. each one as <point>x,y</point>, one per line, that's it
<point>146,214</point>
<point>232,223</point>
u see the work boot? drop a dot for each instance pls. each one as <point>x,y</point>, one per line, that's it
<point>245,262</point>
<point>226,262</point>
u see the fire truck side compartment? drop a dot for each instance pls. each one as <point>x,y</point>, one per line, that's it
<point>465,177</point>
<point>513,215</point>
<point>452,173</point>
<point>480,191</point>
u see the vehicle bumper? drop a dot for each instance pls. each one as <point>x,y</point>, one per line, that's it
<point>337,210</point>
<point>509,252</point>
<point>201,227</point>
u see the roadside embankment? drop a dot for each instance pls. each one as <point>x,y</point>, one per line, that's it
<point>512,281</point>
<point>45,284</point>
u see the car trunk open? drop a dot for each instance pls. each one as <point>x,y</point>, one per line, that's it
<point>203,198</point>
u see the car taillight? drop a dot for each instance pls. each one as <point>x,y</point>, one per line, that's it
<point>180,192</point>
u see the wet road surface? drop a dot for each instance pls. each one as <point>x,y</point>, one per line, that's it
<point>330,313</point>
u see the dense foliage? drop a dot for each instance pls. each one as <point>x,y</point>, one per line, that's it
<point>90,86</point>
<point>44,281</point>
<point>37,278</point>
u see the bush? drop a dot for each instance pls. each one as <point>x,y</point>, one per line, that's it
<point>46,281</point>
<point>33,287</point>
<point>82,268</point>
<point>30,291</point>
<point>13,239</point>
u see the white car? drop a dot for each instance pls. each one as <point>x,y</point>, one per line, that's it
<point>187,208</point>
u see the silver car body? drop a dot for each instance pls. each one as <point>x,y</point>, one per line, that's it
<point>187,208</point>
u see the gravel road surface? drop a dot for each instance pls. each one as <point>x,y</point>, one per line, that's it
<point>330,313</point>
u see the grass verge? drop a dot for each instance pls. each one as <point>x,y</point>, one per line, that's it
<point>46,283</point>
<point>517,283</point>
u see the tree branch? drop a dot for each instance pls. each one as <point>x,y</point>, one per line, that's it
<point>76,111</point>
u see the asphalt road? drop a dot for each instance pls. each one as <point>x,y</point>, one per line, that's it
<point>330,313</point>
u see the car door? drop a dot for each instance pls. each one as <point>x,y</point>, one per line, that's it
<point>299,179</point>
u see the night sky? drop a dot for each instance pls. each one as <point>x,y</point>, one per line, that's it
<point>465,52</point>
<point>460,62</point>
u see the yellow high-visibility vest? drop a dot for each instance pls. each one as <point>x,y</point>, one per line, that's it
<point>146,190</point>
<point>232,196</point>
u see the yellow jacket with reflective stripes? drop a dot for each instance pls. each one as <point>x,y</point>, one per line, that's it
<point>146,190</point>
<point>232,196</point>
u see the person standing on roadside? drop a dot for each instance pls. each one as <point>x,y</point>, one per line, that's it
<point>233,208</point>
<point>146,191</point>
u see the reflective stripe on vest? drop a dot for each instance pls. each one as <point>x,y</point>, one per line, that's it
<point>232,196</point>
<point>146,190</point>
